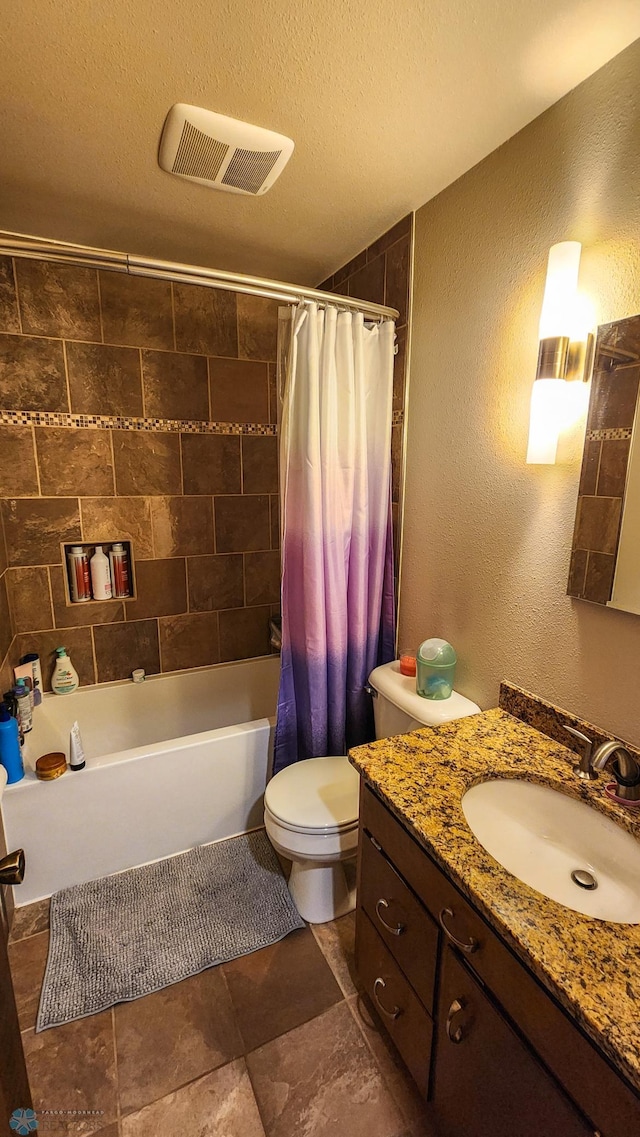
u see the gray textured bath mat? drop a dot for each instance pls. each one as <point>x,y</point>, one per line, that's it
<point>115,939</point>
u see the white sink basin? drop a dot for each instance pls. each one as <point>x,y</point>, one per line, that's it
<point>542,837</point>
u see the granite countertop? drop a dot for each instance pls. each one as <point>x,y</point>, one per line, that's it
<point>591,966</point>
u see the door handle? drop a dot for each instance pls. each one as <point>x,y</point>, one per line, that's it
<point>469,947</point>
<point>456,1035</point>
<point>399,928</point>
<point>393,1015</point>
<point>12,868</point>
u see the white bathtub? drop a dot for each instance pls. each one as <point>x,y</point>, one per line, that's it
<point>176,761</point>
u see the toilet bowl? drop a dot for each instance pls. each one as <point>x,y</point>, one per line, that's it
<point>311,807</point>
<point>311,818</point>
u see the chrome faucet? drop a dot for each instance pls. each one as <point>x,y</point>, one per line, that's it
<point>624,766</point>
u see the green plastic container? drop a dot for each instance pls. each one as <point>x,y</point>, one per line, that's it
<point>435,669</point>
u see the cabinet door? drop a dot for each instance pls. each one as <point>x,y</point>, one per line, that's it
<point>487,1082</point>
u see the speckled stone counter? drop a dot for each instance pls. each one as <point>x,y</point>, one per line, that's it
<point>591,966</point>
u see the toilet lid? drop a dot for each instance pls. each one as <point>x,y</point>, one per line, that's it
<point>317,793</point>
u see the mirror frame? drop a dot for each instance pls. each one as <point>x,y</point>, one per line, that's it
<point>601,493</point>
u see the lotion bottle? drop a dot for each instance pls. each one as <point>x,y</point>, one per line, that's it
<point>65,677</point>
<point>76,750</point>
<point>100,575</point>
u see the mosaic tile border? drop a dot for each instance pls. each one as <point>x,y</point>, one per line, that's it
<point>118,422</point>
<point>159,425</point>
<point>609,434</point>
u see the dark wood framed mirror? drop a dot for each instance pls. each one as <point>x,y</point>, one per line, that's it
<point>605,555</point>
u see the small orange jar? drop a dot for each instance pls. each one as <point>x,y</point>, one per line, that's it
<point>407,662</point>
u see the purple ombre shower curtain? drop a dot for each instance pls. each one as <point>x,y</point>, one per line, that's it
<point>338,610</point>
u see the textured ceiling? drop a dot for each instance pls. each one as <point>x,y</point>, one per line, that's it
<point>387,104</point>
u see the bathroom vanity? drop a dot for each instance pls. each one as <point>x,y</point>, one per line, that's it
<point>516,1016</point>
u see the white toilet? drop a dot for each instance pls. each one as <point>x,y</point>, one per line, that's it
<point>311,807</point>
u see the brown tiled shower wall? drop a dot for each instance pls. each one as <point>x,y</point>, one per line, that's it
<point>141,410</point>
<point>382,274</point>
<point>144,410</point>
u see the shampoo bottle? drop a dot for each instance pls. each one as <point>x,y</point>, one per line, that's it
<point>65,677</point>
<point>10,754</point>
<point>100,575</point>
<point>34,660</point>
<point>119,563</point>
<point>23,699</point>
<point>79,580</point>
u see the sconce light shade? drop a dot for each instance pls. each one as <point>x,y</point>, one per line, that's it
<point>557,315</point>
<point>545,419</point>
<point>564,352</point>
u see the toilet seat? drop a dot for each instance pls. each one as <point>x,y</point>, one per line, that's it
<point>311,818</point>
<point>326,831</point>
<point>315,796</point>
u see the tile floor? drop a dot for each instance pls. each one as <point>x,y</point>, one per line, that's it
<point>279,1043</point>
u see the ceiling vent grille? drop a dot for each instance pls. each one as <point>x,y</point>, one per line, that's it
<point>198,155</point>
<point>221,152</point>
<point>247,169</point>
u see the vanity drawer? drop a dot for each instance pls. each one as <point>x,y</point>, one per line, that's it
<point>399,919</point>
<point>458,920</point>
<point>403,1015</point>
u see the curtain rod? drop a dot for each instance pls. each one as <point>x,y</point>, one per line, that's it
<point>22,245</point>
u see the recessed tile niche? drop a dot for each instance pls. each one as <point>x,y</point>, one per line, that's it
<point>89,548</point>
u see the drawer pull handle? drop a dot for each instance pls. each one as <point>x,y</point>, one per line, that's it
<point>399,928</point>
<point>376,844</point>
<point>393,1015</point>
<point>469,947</point>
<point>456,1035</point>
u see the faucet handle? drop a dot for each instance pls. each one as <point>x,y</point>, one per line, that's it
<point>583,768</point>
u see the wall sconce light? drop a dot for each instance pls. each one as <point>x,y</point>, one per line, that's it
<point>565,355</point>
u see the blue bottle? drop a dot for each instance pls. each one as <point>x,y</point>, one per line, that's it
<point>10,754</point>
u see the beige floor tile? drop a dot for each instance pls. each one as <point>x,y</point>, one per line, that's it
<point>173,1036</point>
<point>396,1076</point>
<point>28,959</point>
<point>30,919</point>
<point>279,987</point>
<point>221,1104</point>
<point>336,940</point>
<point>72,1068</point>
<point>320,1080</point>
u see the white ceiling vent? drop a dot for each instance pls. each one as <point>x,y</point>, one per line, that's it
<point>221,152</point>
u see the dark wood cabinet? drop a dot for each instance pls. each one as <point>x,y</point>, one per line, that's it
<point>488,1046</point>
<point>487,1082</point>
<point>406,1020</point>
<point>403,924</point>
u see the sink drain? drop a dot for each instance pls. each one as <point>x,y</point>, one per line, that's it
<point>584,879</point>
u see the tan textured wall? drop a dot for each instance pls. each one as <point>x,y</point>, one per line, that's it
<point>487,538</point>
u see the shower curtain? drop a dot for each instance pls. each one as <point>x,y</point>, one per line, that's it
<point>338,612</point>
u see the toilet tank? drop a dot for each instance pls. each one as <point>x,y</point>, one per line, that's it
<point>398,708</point>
